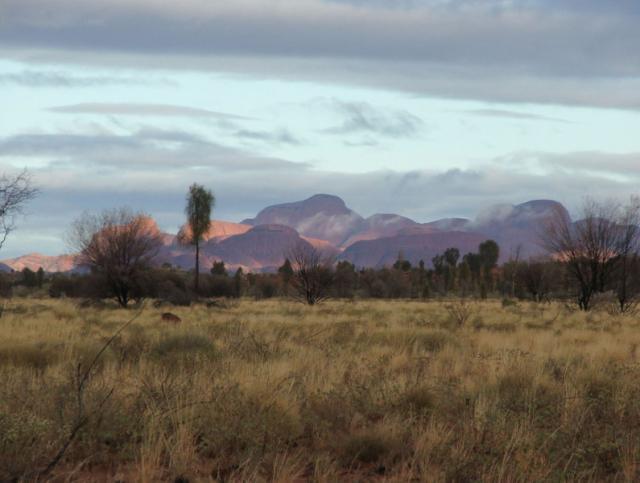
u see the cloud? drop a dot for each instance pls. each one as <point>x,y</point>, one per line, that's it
<point>133,109</point>
<point>365,142</point>
<point>144,150</point>
<point>512,115</point>
<point>361,117</point>
<point>30,78</point>
<point>244,183</point>
<point>623,167</point>
<point>282,136</point>
<point>568,52</point>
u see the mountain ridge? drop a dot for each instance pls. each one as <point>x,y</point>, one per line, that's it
<point>327,223</point>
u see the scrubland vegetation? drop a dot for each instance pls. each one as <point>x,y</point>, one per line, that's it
<point>246,390</point>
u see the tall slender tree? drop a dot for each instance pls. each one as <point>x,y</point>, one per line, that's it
<point>200,202</point>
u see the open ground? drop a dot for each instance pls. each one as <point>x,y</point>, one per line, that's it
<point>277,391</point>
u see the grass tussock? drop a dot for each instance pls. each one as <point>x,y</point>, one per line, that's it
<point>273,391</point>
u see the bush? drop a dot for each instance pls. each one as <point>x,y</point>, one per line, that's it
<point>433,341</point>
<point>33,356</point>
<point>460,312</point>
<point>174,294</point>
<point>370,446</point>
<point>183,344</point>
<point>6,285</point>
<point>89,286</point>
<point>509,303</point>
<point>217,286</point>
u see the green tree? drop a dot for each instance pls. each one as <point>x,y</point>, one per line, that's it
<point>465,277</point>
<point>286,270</point>
<point>29,277</point>
<point>218,268</point>
<point>489,252</point>
<point>345,280</point>
<point>451,257</point>
<point>402,264</point>
<point>200,202</point>
<point>40,277</point>
<point>239,282</point>
<point>286,273</point>
<point>423,286</point>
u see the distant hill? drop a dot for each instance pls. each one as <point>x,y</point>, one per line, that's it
<point>33,261</point>
<point>516,227</point>
<point>324,217</point>
<point>325,222</point>
<point>414,247</point>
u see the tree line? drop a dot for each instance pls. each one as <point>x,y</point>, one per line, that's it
<point>593,259</point>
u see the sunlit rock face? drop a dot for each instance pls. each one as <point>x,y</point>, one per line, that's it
<point>326,223</point>
<point>324,217</point>
<point>218,230</point>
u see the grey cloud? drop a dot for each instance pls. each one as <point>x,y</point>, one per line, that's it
<point>365,142</point>
<point>491,82</point>
<point>548,40</point>
<point>146,148</point>
<point>421,195</point>
<point>62,144</point>
<point>497,6</point>
<point>282,136</point>
<point>620,165</point>
<point>134,109</point>
<point>513,115</point>
<point>31,78</point>
<point>623,167</point>
<point>514,51</point>
<point>361,117</point>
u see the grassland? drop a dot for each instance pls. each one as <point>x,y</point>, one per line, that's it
<point>346,391</point>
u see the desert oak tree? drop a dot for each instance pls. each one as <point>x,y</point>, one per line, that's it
<point>200,202</point>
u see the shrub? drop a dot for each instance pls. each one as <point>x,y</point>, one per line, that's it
<point>174,294</point>
<point>217,286</point>
<point>502,327</point>
<point>33,356</point>
<point>459,312</point>
<point>370,446</point>
<point>183,344</point>
<point>418,400</point>
<point>266,287</point>
<point>433,341</point>
<point>6,285</point>
<point>509,303</point>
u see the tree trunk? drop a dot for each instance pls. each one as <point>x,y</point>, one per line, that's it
<point>197,284</point>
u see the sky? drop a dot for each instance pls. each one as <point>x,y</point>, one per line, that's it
<point>425,108</point>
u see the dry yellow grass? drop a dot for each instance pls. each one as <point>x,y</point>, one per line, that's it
<point>366,390</point>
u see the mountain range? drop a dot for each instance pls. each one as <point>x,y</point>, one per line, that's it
<point>325,222</point>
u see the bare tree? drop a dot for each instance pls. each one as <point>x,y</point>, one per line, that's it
<point>312,273</point>
<point>588,247</point>
<point>627,255</point>
<point>119,245</point>
<point>537,277</point>
<point>15,192</point>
